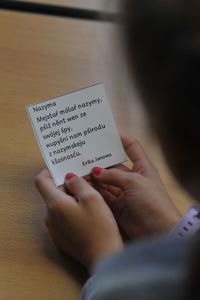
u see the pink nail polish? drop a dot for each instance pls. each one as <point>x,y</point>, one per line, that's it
<point>68,176</point>
<point>97,170</point>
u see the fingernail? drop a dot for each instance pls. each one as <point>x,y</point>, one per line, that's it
<point>68,176</point>
<point>97,170</point>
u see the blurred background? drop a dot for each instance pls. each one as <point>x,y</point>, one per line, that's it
<point>43,56</point>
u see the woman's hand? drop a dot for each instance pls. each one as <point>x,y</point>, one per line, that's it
<point>137,197</point>
<point>79,221</point>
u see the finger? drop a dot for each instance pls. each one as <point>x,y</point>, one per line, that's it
<point>134,149</point>
<point>70,193</point>
<point>115,177</point>
<point>110,200</point>
<point>137,155</point>
<point>108,196</point>
<point>49,191</point>
<point>61,188</point>
<point>88,177</point>
<point>116,204</point>
<point>115,191</point>
<point>81,189</point>
<point>121,167</point>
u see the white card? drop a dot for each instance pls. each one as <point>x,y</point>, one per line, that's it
<point>76,132</point>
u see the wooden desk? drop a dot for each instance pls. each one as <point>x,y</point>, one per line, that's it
<point>42,57</point>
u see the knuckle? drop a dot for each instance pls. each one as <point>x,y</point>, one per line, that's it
<point>132,178</point>
<point>136,143</point>
<point>89,197</point>
<point>135,176</point>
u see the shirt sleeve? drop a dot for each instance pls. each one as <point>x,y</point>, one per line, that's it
<point>149,270</point>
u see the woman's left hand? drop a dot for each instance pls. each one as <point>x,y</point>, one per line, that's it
<point>79,221</point>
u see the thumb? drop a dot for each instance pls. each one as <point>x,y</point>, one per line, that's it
<point>115,177</point>
<point>81,189</point>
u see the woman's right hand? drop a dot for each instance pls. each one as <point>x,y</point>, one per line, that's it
<point>137,197</point>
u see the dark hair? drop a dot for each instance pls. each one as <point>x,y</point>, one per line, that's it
<point>163,41</point>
